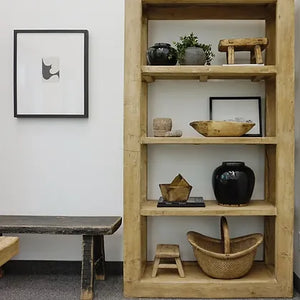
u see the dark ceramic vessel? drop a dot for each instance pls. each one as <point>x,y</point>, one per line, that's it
<point>161,54</point>
<point>233,183</point>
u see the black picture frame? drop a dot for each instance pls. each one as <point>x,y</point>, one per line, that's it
<point>40,92</point>
<point>254,107</point>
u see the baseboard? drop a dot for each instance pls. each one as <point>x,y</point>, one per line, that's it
<point>56,267</point>
<point>296,283</point>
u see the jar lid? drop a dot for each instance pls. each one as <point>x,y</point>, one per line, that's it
<point>162,45</point>
<point>233,163</point>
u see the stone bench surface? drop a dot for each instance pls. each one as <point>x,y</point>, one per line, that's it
<point>93,225</point>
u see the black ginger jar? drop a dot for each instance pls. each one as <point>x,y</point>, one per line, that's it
<point>233,183</point>
<point>161,54</point>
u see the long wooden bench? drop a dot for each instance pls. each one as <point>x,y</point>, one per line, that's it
<point>92,230</point>
<point>9,247</point>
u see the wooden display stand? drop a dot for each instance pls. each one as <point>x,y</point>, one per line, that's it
<point>9,247</point>
<point>254,45</point>
<point>274,276</point>
<point>168,252</point>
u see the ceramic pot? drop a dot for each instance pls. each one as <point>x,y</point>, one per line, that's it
<point>161,54</point>
<point>194,56</point>
<point>233,183</point>
<point>162,124</point>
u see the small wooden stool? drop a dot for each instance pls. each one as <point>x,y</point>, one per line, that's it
<point>167,251</point>
<point>254,45</point>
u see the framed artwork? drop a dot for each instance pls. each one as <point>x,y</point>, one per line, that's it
<point>51,73</point>
<point>237,109</point>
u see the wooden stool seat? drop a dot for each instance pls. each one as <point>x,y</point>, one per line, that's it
<point>167,251</point>
<point>254,45</point>
<point>9,247</point>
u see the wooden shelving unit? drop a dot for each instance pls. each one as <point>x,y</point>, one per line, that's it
<point>273,276</point>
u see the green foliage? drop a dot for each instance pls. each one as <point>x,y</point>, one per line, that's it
<point>192,41</point>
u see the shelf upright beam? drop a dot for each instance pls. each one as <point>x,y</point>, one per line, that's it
<point>285,146</point>
<point>270,150</point>
<point>134,223</point>
<point>144,148</point>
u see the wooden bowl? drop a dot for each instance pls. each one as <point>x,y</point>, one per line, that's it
<point>175,192</point>
<point>221,128</point>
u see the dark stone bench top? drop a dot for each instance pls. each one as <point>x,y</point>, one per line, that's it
<point>59,224</point>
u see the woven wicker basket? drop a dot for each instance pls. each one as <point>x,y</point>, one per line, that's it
<point>226,258</point>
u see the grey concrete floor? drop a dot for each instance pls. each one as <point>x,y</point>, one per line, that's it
<point>59,287</point>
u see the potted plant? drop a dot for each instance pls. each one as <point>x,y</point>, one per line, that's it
<point>191,52</point>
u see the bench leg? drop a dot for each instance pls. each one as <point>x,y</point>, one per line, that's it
<point>87,269</point>
<point>99,257</point>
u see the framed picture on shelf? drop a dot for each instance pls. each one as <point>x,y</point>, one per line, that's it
<point>240,109</point>
<point>51,73</point>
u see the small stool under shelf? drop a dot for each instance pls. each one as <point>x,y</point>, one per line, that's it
<point>167,252</point>
<point>254,45</point>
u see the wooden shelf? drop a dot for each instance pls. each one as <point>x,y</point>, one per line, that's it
<point>218,2</point>
<point>255,208</point>
<point>204,73</point>
<point>259,282</point>
<point>206,9</point>
<point>209,141</point>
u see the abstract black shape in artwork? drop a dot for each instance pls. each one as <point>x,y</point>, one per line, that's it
<point>49,66</point>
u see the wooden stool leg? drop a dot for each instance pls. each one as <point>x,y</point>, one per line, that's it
<point>87,269</point>
<point>99,257</point>
<point>258,55</point>
<point>155,266</point>
<point>252,57</point>
<point>179,266</point>
<point>230,55</point>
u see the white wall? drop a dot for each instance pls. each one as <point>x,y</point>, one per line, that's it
<point>65,166</point>
<point>74,167</point>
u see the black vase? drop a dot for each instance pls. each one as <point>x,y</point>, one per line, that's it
<point>233,183</point>
<point>161,54</point>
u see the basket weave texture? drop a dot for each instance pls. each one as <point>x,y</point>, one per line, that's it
<point>226,258</point>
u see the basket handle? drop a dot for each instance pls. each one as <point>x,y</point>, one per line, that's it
<point>225,235</point>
